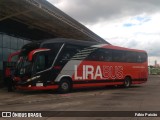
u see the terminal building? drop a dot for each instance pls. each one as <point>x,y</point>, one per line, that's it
<point>24,21</point>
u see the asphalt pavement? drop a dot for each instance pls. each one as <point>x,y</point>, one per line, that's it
<point>86,104</point>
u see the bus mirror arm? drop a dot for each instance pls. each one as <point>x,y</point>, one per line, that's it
<point>33,52</point>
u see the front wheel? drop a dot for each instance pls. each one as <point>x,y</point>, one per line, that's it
<point>64,86</point>
<point>127,82</point>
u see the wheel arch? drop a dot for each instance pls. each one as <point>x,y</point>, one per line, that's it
<point>66,77</point>
<point>128,76</point>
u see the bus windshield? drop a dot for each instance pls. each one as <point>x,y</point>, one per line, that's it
<point>23,66</point>
<point>42,60</point>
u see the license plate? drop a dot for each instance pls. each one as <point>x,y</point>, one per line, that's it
<point>39,84</point>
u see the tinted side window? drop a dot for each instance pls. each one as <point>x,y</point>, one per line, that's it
<point>141,57</point>
<point>131,56</point>
<point>110,55</point>
<point>96,55</point>
<point>67,53</point>
<point>136,57</point>
<point>42,62</point>
<point>55,47</point>
<point>119,55</point>
<point>100,55</point>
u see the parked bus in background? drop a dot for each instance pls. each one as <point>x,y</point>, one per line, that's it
<point>11,62</point>
<point>64,64</point>
<point>9,69</point>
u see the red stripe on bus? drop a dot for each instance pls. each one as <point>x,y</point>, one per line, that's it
<point>95,84</point>
<point>51,87</point>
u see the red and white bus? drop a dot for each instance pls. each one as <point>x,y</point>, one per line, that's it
<point>10,64</point>
<point>64,64</point>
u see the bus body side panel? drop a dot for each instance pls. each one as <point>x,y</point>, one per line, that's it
<point>100,73</point>
<point>139,73</point>
<point>94,73</point>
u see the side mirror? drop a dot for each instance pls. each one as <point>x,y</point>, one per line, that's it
<point>33,52</point>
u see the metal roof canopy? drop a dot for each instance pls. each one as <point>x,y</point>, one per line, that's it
<point>39,20</point>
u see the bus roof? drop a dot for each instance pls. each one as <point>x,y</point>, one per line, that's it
<point>71,41</point>
<point>122,48</point>
<point>37,44</point>
<point>78,42</point>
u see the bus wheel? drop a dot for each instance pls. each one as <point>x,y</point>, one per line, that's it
<point>127,82</point>
<point>64,86</point>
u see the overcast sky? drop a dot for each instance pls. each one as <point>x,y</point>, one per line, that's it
<point>126,23</point>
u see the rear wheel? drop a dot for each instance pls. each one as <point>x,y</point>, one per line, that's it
<point>127,82</point>
<point>64,86</point>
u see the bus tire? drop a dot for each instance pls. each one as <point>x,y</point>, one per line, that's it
<point>127,82</point>
<point>64,86</point>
